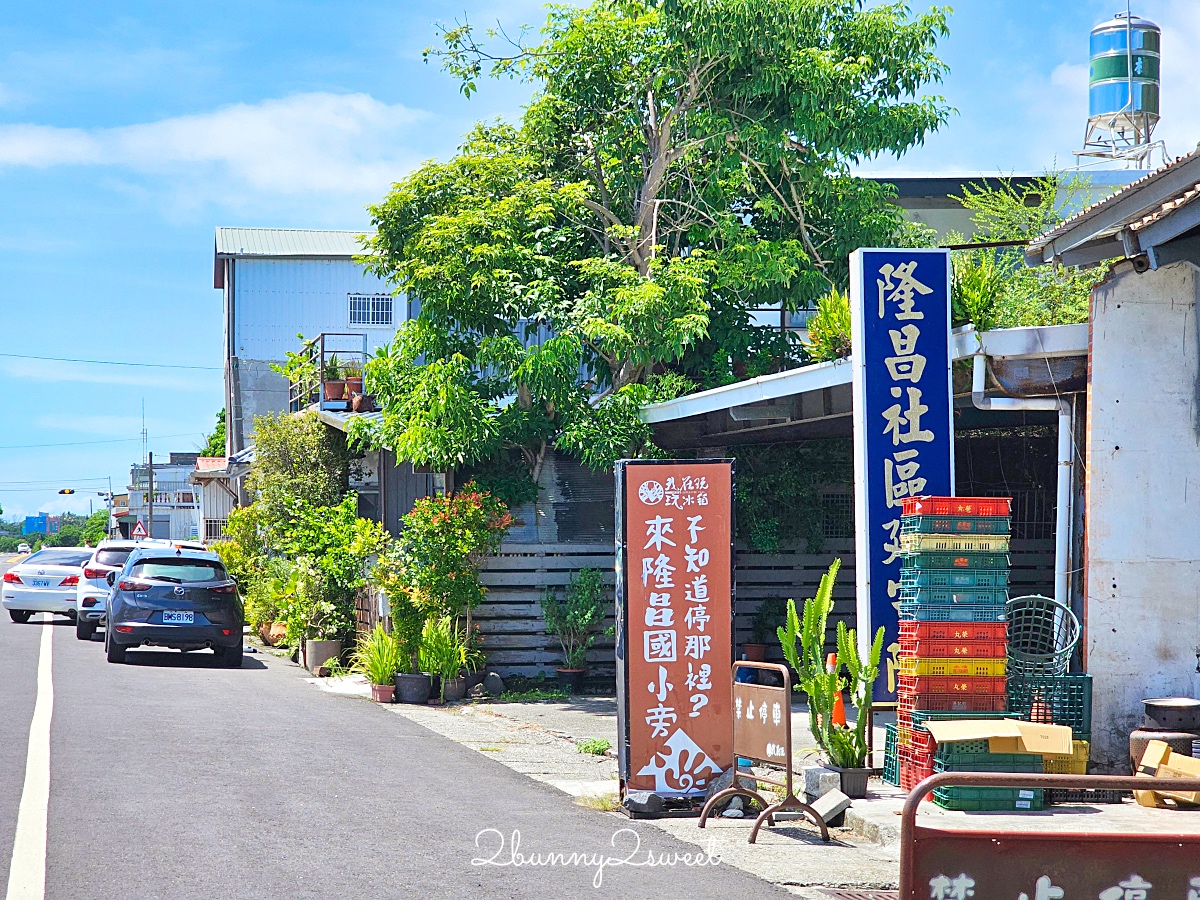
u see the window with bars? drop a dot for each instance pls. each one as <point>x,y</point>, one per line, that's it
<point>371,310</point>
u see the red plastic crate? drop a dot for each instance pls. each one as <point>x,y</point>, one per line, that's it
<point>953,684</point>
<point>953,703</point>
<point>923,742</point>
<point>912,775</point>
<point>967,649</point>
<point>953,631</point>
<point>956,506</point>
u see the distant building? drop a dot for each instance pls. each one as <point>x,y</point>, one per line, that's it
<point>41,524</point>
<point>218,495</point>
<point>176,501</point>
<point>278,283</point>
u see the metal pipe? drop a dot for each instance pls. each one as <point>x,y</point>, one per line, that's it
<point>1062,525</point>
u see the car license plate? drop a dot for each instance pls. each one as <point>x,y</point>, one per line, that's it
<point>40,582</point>
<point>179,617</point>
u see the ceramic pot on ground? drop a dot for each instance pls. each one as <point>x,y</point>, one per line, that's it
<point>854,782</point>
<point>317,653</point>
<point>383,693</point>
<point>754,652</point>
<point>335,390</point>
<point>454,689</point>
<point>413,688</point>
<point>570,679</point>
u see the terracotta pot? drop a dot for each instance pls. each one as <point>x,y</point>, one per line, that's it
<point>755,652</point>
<point>362,403</point>
<point>335,390</point>
<point>570,679</point>
<point>354,385</point>
<point>413,688</point>
<point>383,693</point>
<point>272,632</point>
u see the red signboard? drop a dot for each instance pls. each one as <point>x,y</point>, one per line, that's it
<point>675,623</point>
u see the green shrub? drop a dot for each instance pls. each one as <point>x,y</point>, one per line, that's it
<point>378,656</point>
<point>576,618</point>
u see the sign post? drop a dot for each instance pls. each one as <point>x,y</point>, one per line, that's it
<point>903,419</point>
<point>762,731</point>
<point>674,623</point>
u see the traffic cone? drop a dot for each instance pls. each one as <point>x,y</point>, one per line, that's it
<point>839,706</point>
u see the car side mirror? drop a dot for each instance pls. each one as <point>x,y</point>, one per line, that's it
<point>111,578</point>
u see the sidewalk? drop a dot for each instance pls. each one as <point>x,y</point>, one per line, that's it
<point>538,739</point>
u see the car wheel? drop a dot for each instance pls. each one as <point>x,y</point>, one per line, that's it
<point>84,630</point>
<point>20,615</point>
<point>114,651</point>
<point>231,657</point>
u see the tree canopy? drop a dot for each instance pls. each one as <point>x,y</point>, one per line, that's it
<point>682,163</point>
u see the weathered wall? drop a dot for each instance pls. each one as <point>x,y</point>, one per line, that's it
<point>1143,499</point>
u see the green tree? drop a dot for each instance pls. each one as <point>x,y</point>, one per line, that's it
<point>214,444</point>
<point>299,463</point>
<point>95,529</point>
<point>682,162</point>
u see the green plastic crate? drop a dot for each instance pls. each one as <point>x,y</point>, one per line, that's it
<point>925,715</point>
<point>946,596</point>
<point>1053,700</point>
<point>891,757</point>
<point>963,612</point>
<point>975,799</point>
<point>965,756</point>
<point>937,559</point>
<point>953,578</point>
<point>955,524</point>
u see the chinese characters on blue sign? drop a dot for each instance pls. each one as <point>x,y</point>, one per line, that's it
<point>903,426</point>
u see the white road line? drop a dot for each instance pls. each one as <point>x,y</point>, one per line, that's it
<point>27,874</point>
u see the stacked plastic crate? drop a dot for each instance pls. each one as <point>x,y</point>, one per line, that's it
<point>953,642</point>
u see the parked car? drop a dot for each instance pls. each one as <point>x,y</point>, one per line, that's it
<point>24,548</point>
<point>174,597</point>
<point>109,556</point>
<point>47,581</point>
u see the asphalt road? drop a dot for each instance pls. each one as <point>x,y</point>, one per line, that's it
<point>170,777</point>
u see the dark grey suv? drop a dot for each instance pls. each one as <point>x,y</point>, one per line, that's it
<point>179,598</point>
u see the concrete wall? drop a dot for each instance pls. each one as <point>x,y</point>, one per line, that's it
<point>1142,573</point>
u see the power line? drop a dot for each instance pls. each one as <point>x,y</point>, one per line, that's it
<point>109,441</point>
<point>110,362</point>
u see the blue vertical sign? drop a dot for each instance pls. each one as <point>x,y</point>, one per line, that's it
<point>903,420</point>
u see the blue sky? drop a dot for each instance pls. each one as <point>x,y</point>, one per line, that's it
<point>129,131</point>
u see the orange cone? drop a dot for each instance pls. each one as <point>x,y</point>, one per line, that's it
<point>839,705</point>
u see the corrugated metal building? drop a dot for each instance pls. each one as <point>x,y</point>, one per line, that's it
<point>277,283</point>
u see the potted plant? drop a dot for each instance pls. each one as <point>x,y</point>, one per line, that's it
<point>770,615</point>
<point>354,379</point>
<point>335,383</point>
<point>803,642</point>
<point>378,656</point>
<point>574,619</point>
<point>412,685</point>
<point>444,654</point>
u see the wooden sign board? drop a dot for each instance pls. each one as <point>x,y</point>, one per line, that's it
<point>674,623</point>
<point>762,726</point>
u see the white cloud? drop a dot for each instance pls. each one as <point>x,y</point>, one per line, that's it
<point>39,371</point>
<point>1180,126</point>
<point>303,143</point>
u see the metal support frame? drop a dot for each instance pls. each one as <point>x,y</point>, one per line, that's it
<point>790,801</point>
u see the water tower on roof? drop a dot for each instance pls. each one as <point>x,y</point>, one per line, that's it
<point>1123,91</point>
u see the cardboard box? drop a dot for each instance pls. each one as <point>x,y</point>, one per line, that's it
<point>1159,762</point>
<point>1005,735</point>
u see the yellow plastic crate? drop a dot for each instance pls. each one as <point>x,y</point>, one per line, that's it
<point>1075,764</point>
<point>981,668</point>
<point>954,543</point>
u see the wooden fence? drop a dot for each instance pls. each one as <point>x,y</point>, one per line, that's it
<point>514,633</point>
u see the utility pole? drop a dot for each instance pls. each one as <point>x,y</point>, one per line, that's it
<point>150,496</point>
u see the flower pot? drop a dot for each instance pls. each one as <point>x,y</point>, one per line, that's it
<point>317,653</point>
<point>854,781</point>
<point>413,688</point>
<point>335,389</point>
<point>272,632</point>
<point>353,385</point>
<point>383,693</point>
<point>754,652</point>
<point>570,679</point>
<point>362,403</point>
<point>454,689</point>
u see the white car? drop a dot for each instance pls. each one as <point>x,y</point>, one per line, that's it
<point>24,548</point>
<point>109,556</point>
<point>48,581</point>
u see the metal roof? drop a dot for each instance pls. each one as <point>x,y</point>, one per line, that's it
<point>288,243</point>
<point>1110,228</point>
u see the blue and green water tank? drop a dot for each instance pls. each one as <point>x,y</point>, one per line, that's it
<point>1110,79</point>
